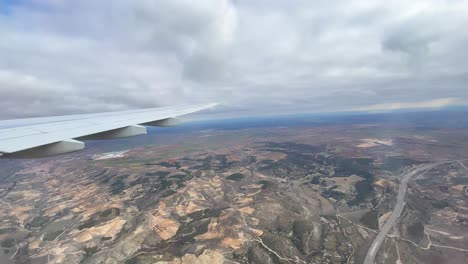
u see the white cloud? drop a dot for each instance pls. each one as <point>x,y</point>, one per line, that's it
<point>437,103</point>
<point>60,57</point>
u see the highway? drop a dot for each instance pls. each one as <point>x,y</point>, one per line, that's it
<point>374,248</point>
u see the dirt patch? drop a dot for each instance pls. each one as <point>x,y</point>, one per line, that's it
<point>372,142</point>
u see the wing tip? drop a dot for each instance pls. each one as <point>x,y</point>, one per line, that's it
<point>211,105</point>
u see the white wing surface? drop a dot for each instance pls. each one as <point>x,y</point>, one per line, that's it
<point>46,136</point>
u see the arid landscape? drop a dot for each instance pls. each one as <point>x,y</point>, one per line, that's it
<point>275,193</point>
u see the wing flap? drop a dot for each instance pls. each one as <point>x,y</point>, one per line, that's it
<point>15,132</point>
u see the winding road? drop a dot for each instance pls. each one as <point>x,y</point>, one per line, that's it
<point>406,176</point>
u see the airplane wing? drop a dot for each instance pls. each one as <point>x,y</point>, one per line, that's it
<point>47,136</point>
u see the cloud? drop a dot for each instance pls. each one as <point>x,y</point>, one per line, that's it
<point>255,57</point>
<point>437,103</point>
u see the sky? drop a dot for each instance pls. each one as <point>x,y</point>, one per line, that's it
<point>257,57</point>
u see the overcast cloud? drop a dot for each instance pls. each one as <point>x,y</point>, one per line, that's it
<point>61,57</point>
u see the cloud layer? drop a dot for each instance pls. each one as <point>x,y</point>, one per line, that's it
<point>60,57</point>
